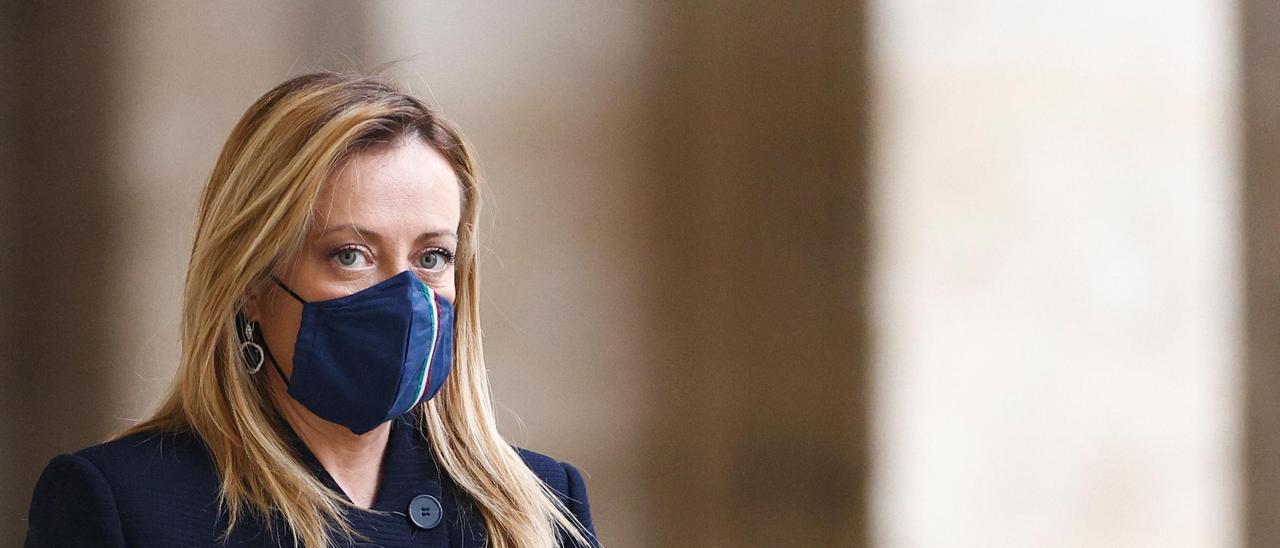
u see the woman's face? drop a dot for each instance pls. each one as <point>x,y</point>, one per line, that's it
<point>389,209</point>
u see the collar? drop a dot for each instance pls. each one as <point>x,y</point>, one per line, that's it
<point>408,469</point>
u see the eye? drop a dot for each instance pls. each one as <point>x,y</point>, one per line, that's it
<point>350,257</point>
<point>435,259</point>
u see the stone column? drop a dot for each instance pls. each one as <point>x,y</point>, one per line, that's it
<point>1260,31</point>
<point>758,220</point>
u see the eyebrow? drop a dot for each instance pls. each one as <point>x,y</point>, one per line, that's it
<point>365,231</point>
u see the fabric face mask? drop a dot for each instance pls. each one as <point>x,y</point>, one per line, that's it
<point>371,356</point>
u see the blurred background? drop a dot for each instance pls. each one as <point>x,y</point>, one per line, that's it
<point>897,273</point>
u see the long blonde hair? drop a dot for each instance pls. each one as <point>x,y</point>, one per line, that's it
<point>255,210</point>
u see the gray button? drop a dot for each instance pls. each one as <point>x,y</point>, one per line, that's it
<point>425,511</point>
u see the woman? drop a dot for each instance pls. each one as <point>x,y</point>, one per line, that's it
<point>336,245</point>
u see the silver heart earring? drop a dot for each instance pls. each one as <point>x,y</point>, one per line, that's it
<point>251,351</point>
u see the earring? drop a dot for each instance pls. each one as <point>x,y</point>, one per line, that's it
<point>251,351</point>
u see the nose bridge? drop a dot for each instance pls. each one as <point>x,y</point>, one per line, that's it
<point>396,259</point>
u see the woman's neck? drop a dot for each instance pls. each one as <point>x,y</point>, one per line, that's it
<point>354,461</point>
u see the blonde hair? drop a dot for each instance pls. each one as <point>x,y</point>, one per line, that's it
<point>255,210</point>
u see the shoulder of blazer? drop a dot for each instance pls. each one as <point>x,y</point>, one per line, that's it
<point>565,479</point>
<point>143,486</point>
<point>145,460</point>
<point>72,505</point>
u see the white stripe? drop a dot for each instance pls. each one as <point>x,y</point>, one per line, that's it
<point>435,335</point>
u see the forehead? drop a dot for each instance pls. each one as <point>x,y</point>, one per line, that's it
<point>408,186</point>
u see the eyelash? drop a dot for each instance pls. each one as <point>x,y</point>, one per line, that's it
<point>449,255</point>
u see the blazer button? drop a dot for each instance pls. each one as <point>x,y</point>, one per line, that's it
<point>425,511</point>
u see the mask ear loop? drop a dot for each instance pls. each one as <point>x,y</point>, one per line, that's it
<point>286,288</point>
<point>267,350</point>
<point>260,335</point>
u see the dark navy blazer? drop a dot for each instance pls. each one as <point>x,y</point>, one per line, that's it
<point>160,489</point>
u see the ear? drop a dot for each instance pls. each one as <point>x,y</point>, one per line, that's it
<point>251,306</point>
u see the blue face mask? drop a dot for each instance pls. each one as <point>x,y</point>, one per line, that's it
<point>368,357</point>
